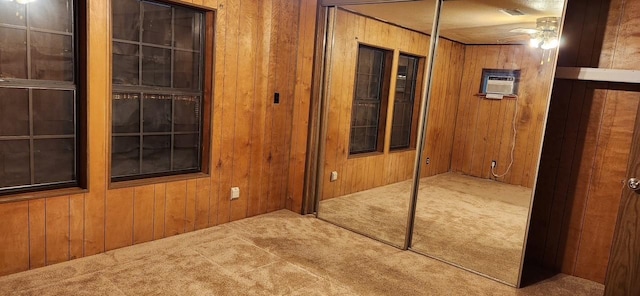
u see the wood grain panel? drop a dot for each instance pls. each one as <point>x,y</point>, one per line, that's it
<point>624,270</point>
<point>119,218</point>
<point>159,211</point>
<point>76,226</point>
<point>257,53</point>
<point>190,212</point>
<point>484,127</point>
<point>143,214</point>
<point>586,144</point>
<point>176,208</point>
<point>604,199</point>
<point>203,195</point>
<point>363,172</point>
<point>14,237</point>
<point>37,228</point>
<point>57,229</point>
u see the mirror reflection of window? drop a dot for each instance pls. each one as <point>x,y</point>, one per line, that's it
<point>404,122</point>
<point>367,120</point>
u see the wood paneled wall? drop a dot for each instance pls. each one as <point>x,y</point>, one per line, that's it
<point>587,143</point>
<point>261,47</point>
<point>363,172</point>
<point>445,99</point>
<point>484,128</point>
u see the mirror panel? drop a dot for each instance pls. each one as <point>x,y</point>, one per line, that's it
<point>374,85</point>
<point>488,104</point>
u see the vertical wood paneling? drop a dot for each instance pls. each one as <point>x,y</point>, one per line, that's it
<point>99,59</point>
<point>364,172</point>
<point>257,53</point>
<point>57,229</point>
<point>190,212</point>
<point>14,237</point>
<point>159,210</point>
<point>587,143</point>
<point>119,218</point>
<point>176,208</point>
<point>37,226</point>
<point>143,214</point>
<point>484,129</point>
<point>248,15</point>
<point>302,103</point>
<point>76,226</point>
<point>203,200</point>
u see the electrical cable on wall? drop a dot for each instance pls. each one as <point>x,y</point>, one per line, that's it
<point>513,144</point>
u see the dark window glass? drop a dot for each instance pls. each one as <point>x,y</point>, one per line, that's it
<point>367,103</point>
<point>126,20</point>
<point>126,113</point>
<point>125,156</point>
<point>126,63</point>
<point>38,96</point>
<point>14,112</point>
<point>403,116</point>
<point>157,82</point>
<point>53,112</point>
<point>54,160</point>
<point>13,52</point>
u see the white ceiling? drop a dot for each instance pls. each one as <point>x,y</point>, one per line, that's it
<point>466,21</point>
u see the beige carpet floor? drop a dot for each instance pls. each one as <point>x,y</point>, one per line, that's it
<point>471,222</point>
<point>281,253</point>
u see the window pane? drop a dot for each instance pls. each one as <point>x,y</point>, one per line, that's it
<point>126,61</point>
<point>404,102</point>
<point>185,152</point>
<point>51,57</point>
<point>125,156</point>
<point>14,163</point>
<point>156,66</point>
<point>13,13</point>
<point>187,114</point>
<point>365,115</point>
<point>156,112</point>
<point>53,112</point>
<point>126,19</point>
<point>156,24</point>
<point>13,53</point>
<point>187,26</point>
<point>186,70</point>
<point>156,154</point>
<point>126,113</point>
<point>55,15</point>
<point>14,112</point>
<point>54,160</point>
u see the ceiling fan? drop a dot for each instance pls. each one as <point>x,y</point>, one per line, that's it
<point>544,35</point>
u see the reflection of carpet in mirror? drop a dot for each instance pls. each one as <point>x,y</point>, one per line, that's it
<point>472,222</point>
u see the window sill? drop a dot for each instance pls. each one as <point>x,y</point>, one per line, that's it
<point>368,154</point>
<point>41,194</point>
<point>504,97</point>
<point>156,180</point>
<point>402,150</point>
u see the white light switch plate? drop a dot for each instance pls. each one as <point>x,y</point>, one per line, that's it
<point>334,176</point>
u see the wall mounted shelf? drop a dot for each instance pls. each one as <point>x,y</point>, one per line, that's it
<point>597,74</point>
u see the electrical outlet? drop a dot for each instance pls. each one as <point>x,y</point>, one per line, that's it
<point>428,160</point>
<point>235,193</point>
<point>334,176</point>
<point>494,163</point>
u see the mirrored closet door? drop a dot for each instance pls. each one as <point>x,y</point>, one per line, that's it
<point>476,139</point>
<point>376,62</point>
<point>490,93</point>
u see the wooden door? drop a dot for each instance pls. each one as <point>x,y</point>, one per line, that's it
<point>623,275</point>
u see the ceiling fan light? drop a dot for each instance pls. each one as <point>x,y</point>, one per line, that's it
<point>550,44</point>
<point>534,42</point>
